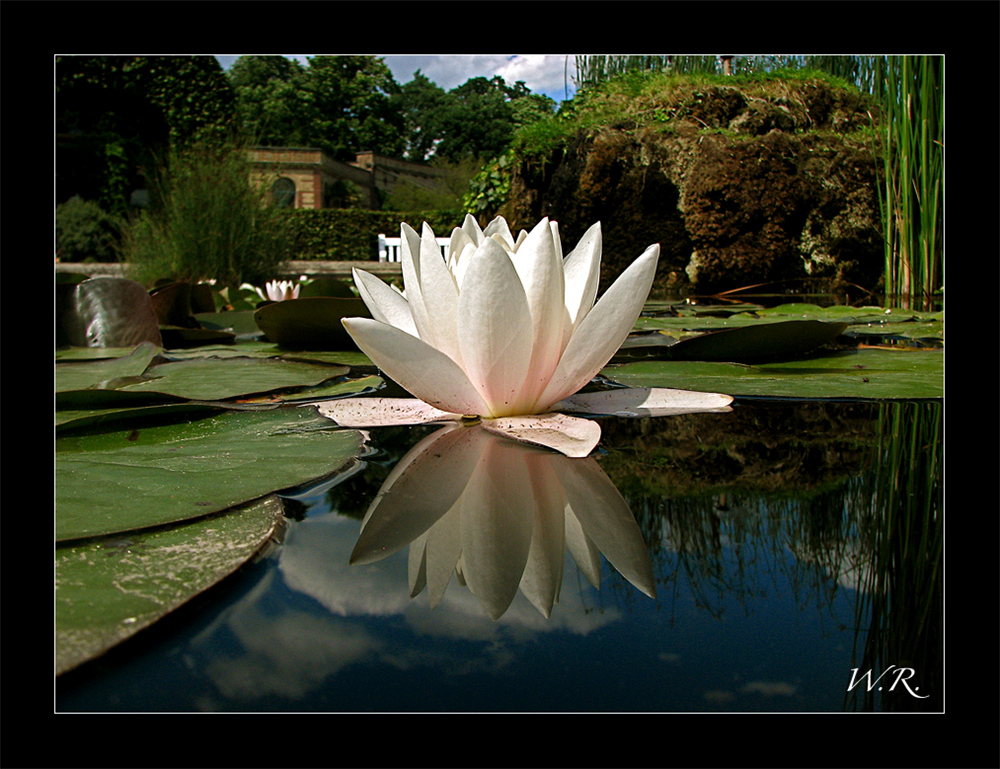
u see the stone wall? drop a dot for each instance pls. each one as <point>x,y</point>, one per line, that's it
<point>314,173</point>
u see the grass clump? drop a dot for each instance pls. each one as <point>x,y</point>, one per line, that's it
<point>208,221</point>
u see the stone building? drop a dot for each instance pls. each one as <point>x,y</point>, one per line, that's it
<point>302,177</point>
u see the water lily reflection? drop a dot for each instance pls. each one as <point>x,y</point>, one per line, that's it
<point>499,515</point>
<point>505,329</point>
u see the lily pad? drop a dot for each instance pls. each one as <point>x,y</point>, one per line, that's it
<point>131,479</point>
<point>106,312</point>
<point>311,323</point>
<point>208,379</point>
<point>326,285</point>
<point>239,322</point>
<point>862,374</point>
<point>179,338</point>
<point>100,373</point>
<point>762,341</point>
<point>109,589</point>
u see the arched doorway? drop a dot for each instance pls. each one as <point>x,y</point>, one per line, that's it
<point>283,192</point>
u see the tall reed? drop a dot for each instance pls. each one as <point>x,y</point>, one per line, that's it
<point>208,220</point>
<point>595,69</point>
<point>899,612</point>
<point>911,95</point>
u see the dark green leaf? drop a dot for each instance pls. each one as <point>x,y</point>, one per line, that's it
<point>762,341</point>
<point>866,374</point>
<point>109,589</point>
<point>313,323</point>
<point>148,476</point>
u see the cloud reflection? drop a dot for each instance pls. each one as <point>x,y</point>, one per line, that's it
<point>499,515</point>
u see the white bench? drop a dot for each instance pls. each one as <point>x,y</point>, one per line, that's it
<point>390,249</point>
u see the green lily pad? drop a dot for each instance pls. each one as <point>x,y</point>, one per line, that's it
<point>106,312</point>
<point>179,338</point>
<point>761,341</point>
<point>107,590</point>
<point>311,323</point>
<point>119,411</point>
<point>212,380</point>
<point>238,322</point>
<point>325,285</point>
<point>101,373</point>
<point>152,475</point>
<point>874,374</point>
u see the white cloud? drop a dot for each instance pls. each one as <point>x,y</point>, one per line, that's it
<point>547,74</point>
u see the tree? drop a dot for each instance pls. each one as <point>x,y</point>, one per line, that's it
<point>476,121</point>
<point>340,104</point>
<point>353,100</point>
<point>116,115</point>
<point>277,105</point>
<point>481,115</point>
<point>530,108</point>
<point>421,104</point>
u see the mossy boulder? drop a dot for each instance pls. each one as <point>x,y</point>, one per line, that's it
<point>741,185</point>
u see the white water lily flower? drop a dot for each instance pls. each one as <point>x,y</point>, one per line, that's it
<point>279,290</point>
<point>505,329</point>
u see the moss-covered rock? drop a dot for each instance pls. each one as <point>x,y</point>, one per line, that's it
<point>744,183</point>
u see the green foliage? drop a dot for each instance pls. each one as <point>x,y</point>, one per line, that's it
<point>209,222</point>
<point>420,103</point>
<point>114,114</point>
<point>275,104</point>
<point>909,92</point>
<point>490,188</point>
<point>85,232</point>
<point>476,121</point>
<point>410,194</point>
<point>340,104</point>
<point>352,234</point>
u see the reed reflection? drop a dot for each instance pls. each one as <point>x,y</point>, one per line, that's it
<point>500,515</point>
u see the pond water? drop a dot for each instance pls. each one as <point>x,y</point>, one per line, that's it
<point>794,550</point>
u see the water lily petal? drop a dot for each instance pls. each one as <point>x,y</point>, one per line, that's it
<point>496,329</point>
<point>602,332</point>
<point>542,578</point>
<point>497,524</point>
<point>420,489</point>
<point>471,228</point>
<point>554,226</point>
<point>385,303</point>
<point>605,516</point>
<point>644,402</point>
<point>582,548</point>
<point>437,323</point>
<point>541,272</point>
<point>434,555</point>
<point>409,258</point>
<point>418,368</point>
<point>499,228</point>
<point>381,412</point>
<point>583,272</point>
<point>572,436</point>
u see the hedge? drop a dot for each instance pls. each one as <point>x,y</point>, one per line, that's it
<point>341,235</point>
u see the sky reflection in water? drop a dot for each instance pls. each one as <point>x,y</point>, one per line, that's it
<point>754,560</point>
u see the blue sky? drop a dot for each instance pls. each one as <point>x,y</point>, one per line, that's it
<point>542,73</point>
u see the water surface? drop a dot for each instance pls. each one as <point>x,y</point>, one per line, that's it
<point>793,547</point>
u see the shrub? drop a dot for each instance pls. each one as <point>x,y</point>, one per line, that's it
<point>85,232</point>
<point>352,234</point>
